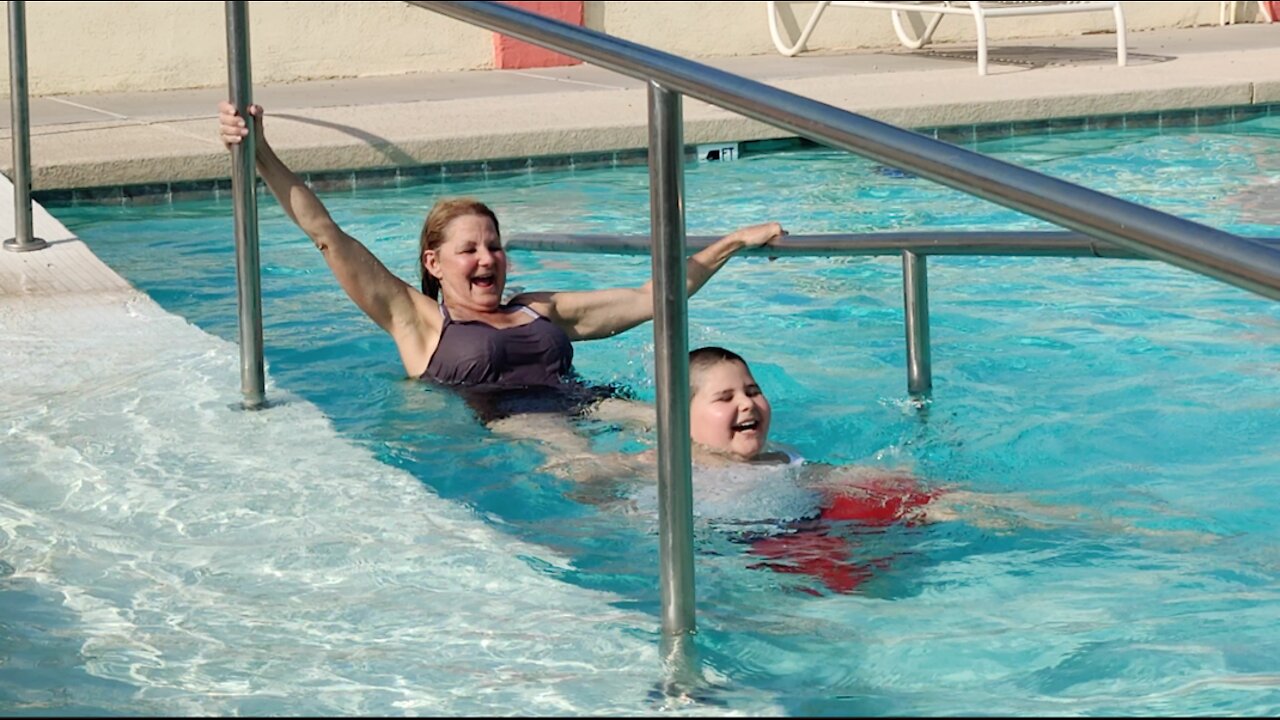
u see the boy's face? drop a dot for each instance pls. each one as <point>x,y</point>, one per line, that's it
<point>729,413</point>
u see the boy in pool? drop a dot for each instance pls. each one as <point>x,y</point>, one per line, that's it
<point>729,423</point>
<point>765,497</point>
<point>780,504</point>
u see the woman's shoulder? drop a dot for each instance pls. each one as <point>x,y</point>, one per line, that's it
<point>417,334</point>
<point>541,303</point>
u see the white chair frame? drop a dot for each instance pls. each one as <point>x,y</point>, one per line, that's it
<point>979,11</point>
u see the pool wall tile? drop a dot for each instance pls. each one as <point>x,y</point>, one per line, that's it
<point>994,131</point>
<point>1109,122</point>
<point>1068,125</point>
<point>58,198</point>
<point>553,162</point>
<point>1249,112</point>
<point>99,196</point>
<point>969,136</point>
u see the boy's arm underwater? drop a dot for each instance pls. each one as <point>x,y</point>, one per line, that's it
<point>851,489</point>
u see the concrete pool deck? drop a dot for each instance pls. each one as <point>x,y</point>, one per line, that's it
<point>361,124</point>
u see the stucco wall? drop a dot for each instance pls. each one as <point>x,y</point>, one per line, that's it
<point>85,47</point>
<point>88,47</point>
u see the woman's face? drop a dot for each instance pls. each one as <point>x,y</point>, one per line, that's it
<point>470,264</point>
<point>729,413</point>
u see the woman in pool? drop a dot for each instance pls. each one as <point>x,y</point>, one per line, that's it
<point>456,329</point>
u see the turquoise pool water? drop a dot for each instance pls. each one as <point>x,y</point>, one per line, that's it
<point>1141,399</point>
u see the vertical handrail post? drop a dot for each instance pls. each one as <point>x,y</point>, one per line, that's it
<point>244,192</point>
<point>23,239</point>
<point>671,350</point>
<point>915,301</point>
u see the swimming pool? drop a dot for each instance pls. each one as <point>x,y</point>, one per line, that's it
<point>402,560</point>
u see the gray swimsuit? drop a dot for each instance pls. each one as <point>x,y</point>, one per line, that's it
<point>515,370</point>
<point>476,354</point>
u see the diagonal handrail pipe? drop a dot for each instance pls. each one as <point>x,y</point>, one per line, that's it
<point>1190,245</point>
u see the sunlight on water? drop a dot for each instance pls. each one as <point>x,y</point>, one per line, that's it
<point>217,561</point>
<point>367,548</point>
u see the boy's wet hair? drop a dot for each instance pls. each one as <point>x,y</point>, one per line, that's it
<point>705,358</point>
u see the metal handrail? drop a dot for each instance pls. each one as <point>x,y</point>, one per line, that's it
<point>671,353</point>
<point>1175,240</point>
<point>24,239</point>
<point>244,182</point>
<point>1022,243</point>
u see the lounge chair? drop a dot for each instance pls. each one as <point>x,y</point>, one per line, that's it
<point>979,11</point>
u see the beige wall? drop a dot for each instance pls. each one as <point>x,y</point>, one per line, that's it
<point>89,47</point>
<point>83,47</point>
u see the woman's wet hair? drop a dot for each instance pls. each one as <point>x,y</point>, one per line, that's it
<point>705,358</point>
<point>443,213</point>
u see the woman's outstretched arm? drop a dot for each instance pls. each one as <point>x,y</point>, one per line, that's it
<point>385,298</point>
<point>592,314</point>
